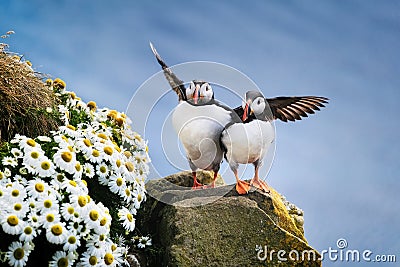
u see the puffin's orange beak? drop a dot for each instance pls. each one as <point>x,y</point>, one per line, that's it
<point>246,112</point>
<point>196,94</point>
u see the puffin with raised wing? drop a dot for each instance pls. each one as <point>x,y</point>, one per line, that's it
<point>249,141</point>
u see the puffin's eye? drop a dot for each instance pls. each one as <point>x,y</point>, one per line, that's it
<point>207,88</point>
<point>258,102</point>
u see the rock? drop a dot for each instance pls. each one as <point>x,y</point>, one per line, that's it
<point>230,230</point>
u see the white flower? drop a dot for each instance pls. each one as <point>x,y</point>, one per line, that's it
<point>67,211</point>
<point>113,258</point>
<point>56,233</point>
<point>7,172</point>
<point>36,188</point>
<point>102,171</point>
<point>65,160</point>
<point>95,156</point>
<point>9,161</point>
<point>127,219</point>
<point>97,244</point>
<point>90,260</point>
<point>117,184</point>
<point>49,110</point>
<point>46,167</point>
<point>33,158</point>
<point>88,170</point>
<point>49,217</point>
<point>72,242</point>
<point>28,233</point>
<point>16,192</point>
<point>144,241</point>
<point>19,208</point>
<point>61,258</point>
<point>18,253</point>
<point>80,202</point>
<point>17,153</point>
<point>12,224</point>
<point>48,202</point>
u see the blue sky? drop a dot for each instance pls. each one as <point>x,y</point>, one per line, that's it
<point>340,166</point>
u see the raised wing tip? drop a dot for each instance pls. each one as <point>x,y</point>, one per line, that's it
<point>153,49</point>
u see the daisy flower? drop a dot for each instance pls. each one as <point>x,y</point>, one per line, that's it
<point>49,217</point>
<point>18,253</point>
<point>92,218</point>
<point>37,188</point>
<point>85,145</point>
<point>62,259</point>
<point>144,241</point>
<point>47,202</point>
<point>9,161</point>
<point>80,202</point>
<point>102,171</point>
<point>90,260</point>
<point>95,156</point>
<point>33,158</point>
<point>12,224</point>
<point>3,178</point>
<point>28,144</point>
<point>19,208</point>
<point>65,160</point>
<point>127,219</point>
<point>72,243</point>
<point>117,184</point>
<point>28,233</point>
<point>16,192</point>
<point>88,170</point>
<point>17,153</point>
<point>45,168</point>
<point>67,211</point>
<point>7,172</point>
<point>113,258</point>
<point>57,233</point>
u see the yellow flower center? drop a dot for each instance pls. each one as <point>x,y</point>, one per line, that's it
<point>108,259</point>
<point>87,142</point>
<point>119,181</point>
<point>102,237</point>
<point>70,148</point>
<point>45,165</point>
<point>84,183</point>
<point>127,192</point>
<point>47,203</point>
<point>19,254</point>
<point>82,201</point>
<point>60,177</point>
<point>72,239</point>
<point>92,260</point>
<point>71,127</point>
<point>118,163</point>
<point>50,217</point>
<point>130,166</point>
<point>108,150</point>
<point>39,187</point>
<point>35,155</point>
<point>102,136</point>
<point>103,169</point>
<point>78,167</point>
<point>12,220</point>
<point>117,148</point>
<point>70,210</point>
<point>95,153</point>
<point>113,247</point>
<point>139,197</point>
<point>103,221</point>
<point>73,183</point>
<point>31,142</point>
<point>94,215</point>
<point>127,154</point>
<point>32,205</point>
<point>66,156</point>
<point>56,229</point>
<point>18,207</point>
<point>15,193</point>
<point>28,230</point>
<point>63,262</point>
<point>92,105</point>
<point>129,217</point>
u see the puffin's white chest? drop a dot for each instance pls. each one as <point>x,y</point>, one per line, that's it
<point>248,142</point>
<point>199,129</point>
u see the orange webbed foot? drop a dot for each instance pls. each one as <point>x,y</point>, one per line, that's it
<point>242,187</point>
<point>260,185</point>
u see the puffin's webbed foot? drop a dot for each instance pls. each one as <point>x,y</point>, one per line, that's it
<point>242,187</point>
<point>260,185</point>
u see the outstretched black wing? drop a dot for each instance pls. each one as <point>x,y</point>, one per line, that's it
<point>287,108</point>
<point>294,108</point>
<point>175,83</point>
